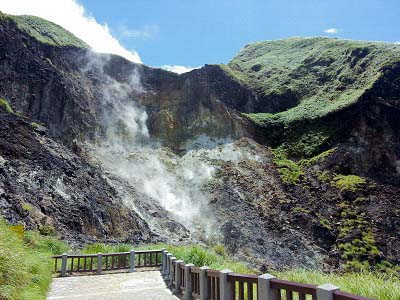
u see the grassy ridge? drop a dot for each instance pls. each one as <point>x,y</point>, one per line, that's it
<point>324,74</point>
<point>370,284</point>
<point>46,32</point>
<point>25,264</point>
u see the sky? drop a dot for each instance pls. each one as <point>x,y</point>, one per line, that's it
<point>183,34</point>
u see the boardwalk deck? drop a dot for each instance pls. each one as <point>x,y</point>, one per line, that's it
<point>139,285</point>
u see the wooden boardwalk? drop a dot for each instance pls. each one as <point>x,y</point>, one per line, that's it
<point>139,285</point>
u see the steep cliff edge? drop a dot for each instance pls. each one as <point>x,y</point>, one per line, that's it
<point>280,201</point>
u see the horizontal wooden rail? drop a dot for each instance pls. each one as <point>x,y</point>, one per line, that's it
<point>338,295</point>
<point>97,263</point>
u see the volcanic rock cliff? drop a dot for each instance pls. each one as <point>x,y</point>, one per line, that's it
<point>301,134</point>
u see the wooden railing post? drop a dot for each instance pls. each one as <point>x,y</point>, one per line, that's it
<point>203,283</point>
<point>171,270</point>
<point>64,263</point>
<point>188,283</point>
<point>168,270</point>
<point>325,291</point>
<point>263,287</point>
<point>225,285</point>
<point>177,274</point>
<point>163,260</point>
<point>99,263</point>
<point>132,262</point>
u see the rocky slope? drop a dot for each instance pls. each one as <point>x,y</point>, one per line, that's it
<point>294,145</point>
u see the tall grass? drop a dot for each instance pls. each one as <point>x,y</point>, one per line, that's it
<point>25,264</point>
<point>369,284</point>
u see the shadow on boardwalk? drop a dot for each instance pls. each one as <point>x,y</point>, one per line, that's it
<point>139,285</point>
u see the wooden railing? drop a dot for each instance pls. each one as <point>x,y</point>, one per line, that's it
<point>291,289</point>
<point>195,278</point>
<point>243,286</point>
<point>204,284</point>
<point>97,263</point>
<point>200,283</point>
<point>213,284</point>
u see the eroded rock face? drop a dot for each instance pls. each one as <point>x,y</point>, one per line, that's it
<point>311,223</point>
<point>53,85</point>
<point>43,183</point>
<point>259,217</point>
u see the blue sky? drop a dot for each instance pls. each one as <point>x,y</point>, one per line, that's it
<point>192,32</point>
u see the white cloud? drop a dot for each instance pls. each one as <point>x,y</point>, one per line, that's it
<point>146,32</point>
<point>72,16</point>
<point>397,43</point>
<point>178,69</point>
<point>331,30</point>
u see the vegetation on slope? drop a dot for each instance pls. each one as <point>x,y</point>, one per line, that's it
<point>46,32</point>
<point>322,74</point>
<point>348,182</point>
<point>25,263</point>
<point>4,105</point>
<point>370,284</point>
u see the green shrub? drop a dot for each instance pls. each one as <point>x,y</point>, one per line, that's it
<point>317,159</point>
<point>290,172</point>
<point>26,206</point>
<point>324,176</point>
<point>348,182</point>
<point>47,230</point>
<point>25,264</point>
<point>220,249</point>
<point>6,106</point>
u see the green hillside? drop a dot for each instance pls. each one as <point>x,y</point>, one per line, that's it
<point>323,74</point>
<point>46,32</point>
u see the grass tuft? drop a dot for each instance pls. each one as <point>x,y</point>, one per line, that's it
<point>25,263</point>
<point>6,106</point>
<point>348,182</point>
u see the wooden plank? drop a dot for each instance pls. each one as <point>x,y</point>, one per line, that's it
<point>233,290</point>
<point>289,295</point>
<point>55,265</point>
<point>250,292</point>
<point>242,278</point>
<point>241,290</point>
<point>72,265</point>
<point>218,288</point>
<point>278,294</point>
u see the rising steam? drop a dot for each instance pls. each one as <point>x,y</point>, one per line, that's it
<point>127,151</point>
